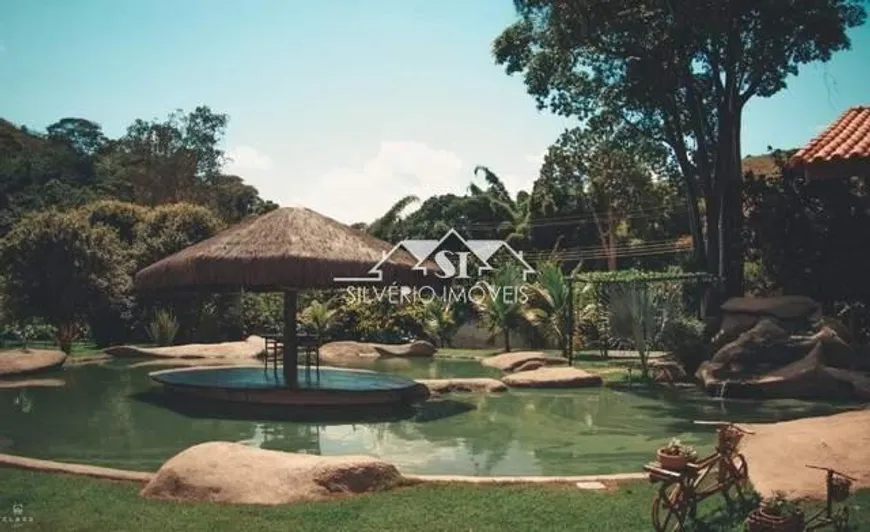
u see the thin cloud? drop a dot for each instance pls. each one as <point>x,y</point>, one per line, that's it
<point>398,169</point>
<point>246,158</point>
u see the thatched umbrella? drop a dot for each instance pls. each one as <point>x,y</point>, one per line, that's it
<point>288,249</point>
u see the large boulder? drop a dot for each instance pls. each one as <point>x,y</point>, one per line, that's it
<point>783,307</point>
<point>20,362</point>
<point>234,473</point>
<point>740,314</point>
<point>745,349</point>
<point>250,348</point>
<point>509,362</point>
<point>463,385</point>
<point>553,377</point>
<point>415,349</point>
<point>764,363</point>
<point>361,353</point>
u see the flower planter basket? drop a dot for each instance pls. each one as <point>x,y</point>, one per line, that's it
<point>840,488</point>
<point>672,462</point>
<point>729,439</point>
<point>761,521</point>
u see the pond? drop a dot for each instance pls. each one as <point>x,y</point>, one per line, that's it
<point>102,417</point>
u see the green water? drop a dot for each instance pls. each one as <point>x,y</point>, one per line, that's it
<point>99,417</point>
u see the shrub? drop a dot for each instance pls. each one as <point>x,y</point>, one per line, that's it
<point>57,267</point>
<point>163,328</point>
<point>683,337</point>
<point>167,229</point>
<point>262,313</point>
<point>124,218</point>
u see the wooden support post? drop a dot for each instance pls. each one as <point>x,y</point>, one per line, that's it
<point>291,350</point>
<point>570,322</point>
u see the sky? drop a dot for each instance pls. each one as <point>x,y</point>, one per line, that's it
<point>343,106</point>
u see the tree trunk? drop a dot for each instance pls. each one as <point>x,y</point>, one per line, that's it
<point>507,340</point>
<point>729,180</point>
<point>611,242</point>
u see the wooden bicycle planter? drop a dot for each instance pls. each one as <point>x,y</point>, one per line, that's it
<point>761,521</point>
<point>681,491</point>
<point>724,472</point>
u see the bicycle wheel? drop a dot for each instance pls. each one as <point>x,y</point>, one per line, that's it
<point>841,519</point>
<point>740,475</point>
<point>669,508</point>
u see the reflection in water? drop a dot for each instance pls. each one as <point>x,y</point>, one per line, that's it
<point>23,402</point>
<point>113,415</point>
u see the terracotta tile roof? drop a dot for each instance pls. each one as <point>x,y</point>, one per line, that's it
<point>846,139</point>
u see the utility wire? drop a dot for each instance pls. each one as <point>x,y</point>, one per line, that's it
<point>571,221</point>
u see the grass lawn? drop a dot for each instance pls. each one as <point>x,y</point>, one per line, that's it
<point>61,502</point>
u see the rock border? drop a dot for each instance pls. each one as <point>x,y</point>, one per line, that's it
<point>107,473</point>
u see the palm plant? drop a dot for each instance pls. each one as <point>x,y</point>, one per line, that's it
<point>499,312</point>
<point>549,305</point>
<point>385,226</point>
<point>319,318</point>
<point>439,321</point>
<point>163,328</point>
<point>516,215</point>
<point>632,317</point>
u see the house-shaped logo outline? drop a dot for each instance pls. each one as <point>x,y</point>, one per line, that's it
<point>422,250</point>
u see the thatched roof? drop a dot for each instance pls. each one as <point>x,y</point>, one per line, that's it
<point>291,247</point>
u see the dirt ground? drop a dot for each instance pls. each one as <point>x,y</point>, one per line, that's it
<point>778,453</point>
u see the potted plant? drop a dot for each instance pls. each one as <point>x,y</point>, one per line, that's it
<point>776,514</point>
<point>676,455</point>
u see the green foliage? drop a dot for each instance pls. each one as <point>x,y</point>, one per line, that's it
<point>632,316</point>
<point>319,319</point>
<point>378,321</point>
<point>262,313</point>
<point>440,321</point>
<point>514,215</point>
<point>549,304</point>
<point>629,276</point>
<point>124,218</point>
<point>168,229</point>
<point>676,448</point>
<point>385,227</point>
<point>684,338</point>
<point>500,312</point>
<point>810,237</point>
<point>163,328</point>
<point>27,331</point>
<point>679,73</point>
<point>780,505</point>
<point>57,267</point>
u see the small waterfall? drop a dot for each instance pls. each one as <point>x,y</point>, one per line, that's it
<point>722,389</point>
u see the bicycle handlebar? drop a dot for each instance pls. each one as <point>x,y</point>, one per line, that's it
<point>832,471</point>
<point>724,424</point>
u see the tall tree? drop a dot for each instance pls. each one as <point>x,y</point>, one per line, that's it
<point>615,177</point>
<point>168,161</point>
<point>83,136</point>
<point>514,215</point>
<point>679,72</point>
